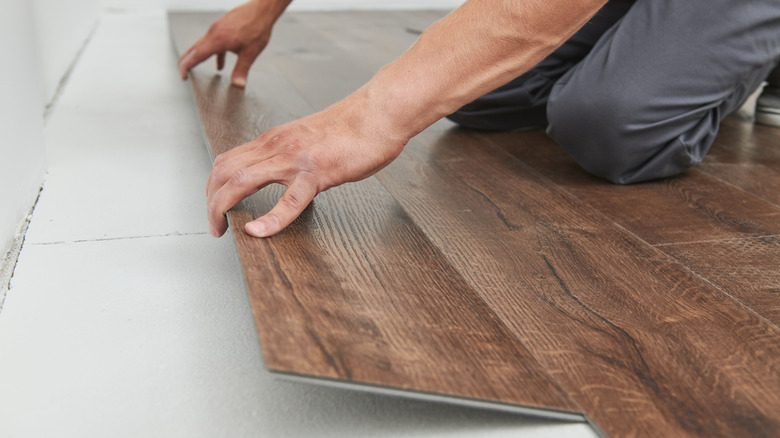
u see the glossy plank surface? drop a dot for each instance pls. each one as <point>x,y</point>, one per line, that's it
<point>588,299</point>
<point>695,206</point>
<point>532,282</point>
<point>731,196</point>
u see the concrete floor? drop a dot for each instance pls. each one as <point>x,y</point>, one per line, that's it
<point>125,318</point>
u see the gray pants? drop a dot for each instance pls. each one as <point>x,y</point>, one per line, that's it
<point>640,91</point>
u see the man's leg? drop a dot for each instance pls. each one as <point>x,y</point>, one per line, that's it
<point>522,103</point>
<point>647,101</point>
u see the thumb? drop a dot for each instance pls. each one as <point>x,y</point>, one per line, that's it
<point>241,71</point>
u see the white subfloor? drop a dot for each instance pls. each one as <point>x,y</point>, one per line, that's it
<point>125,318</point>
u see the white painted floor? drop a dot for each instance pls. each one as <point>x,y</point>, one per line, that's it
<point>125,319</point>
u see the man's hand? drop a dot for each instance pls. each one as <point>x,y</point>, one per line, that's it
<point>342,143</point>
<point>478,47</point>
<point>244,31</point>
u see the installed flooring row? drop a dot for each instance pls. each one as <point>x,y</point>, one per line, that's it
<point>489,267</point>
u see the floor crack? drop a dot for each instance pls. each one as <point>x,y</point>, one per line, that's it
<point>107,239</point>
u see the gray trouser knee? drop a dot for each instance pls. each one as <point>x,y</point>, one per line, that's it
<point>639,93</point>
<point>648,100</point>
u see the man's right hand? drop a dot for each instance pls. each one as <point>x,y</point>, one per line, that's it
<point>244,31</point>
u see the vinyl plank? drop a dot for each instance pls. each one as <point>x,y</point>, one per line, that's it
<point>500,256</point>
<point>492,249</point>
<point>747,269</point>
<point>342,48</point>
<point>747,156</point>
<point>732,196</point>
<point>694,206</point>
<point>359,34</point>
<point>353,290</point>
<point>375,37</point>
<point>330,302</point>
<point>626,330</point>
<point>354,37</point>
<point>740,141</point>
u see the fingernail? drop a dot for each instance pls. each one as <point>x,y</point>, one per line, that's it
<point>256,229</point>
<point>239,82</point>
<point>212,231</point>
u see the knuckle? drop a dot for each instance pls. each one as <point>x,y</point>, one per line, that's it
<point>273,137</point>
<point>219,172</point>
<point>215,30</point>
<point>241,178</point>
<point>292,151</point>
<point>219,160</point>
<point>294,146</point>
<point>311,163</point>
<point>292,200</point>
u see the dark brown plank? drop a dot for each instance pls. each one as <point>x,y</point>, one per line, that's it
<point>748,156</point>
<point>756,148</point>
<point>342,48</point>
<point>731,197</point>
<point>563,319</point>
<point>633,336</point>
<point>642,344</point>
<point>742,142</point>
<point>744,155</point>
<point>353,290</point>
<point>694,206</point>
<point>748,269</point>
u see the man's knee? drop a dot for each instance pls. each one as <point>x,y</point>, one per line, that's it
<point>619,138</point>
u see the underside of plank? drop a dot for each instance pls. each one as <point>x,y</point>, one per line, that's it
<point>490,269</point>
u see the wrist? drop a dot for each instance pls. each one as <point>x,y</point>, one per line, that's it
<point>398,104</point>
<point>271,8</point>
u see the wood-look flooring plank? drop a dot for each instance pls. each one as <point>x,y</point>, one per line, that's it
<point>694,206</point>
<point>748,269</point>
<point>348,60</point>
<point>354,33</point>
<point>748,156</point>
<point>636,340</point>
<point>704,205</point>
<point>353,290</point>
<point>483,242</point>
<point>625,329</point>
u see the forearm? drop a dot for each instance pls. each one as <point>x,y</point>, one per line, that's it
<point>480,46</point>
<point>477,48</point>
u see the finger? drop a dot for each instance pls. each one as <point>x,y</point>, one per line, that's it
<point>246,155</point>
<point>246,57</point>
<point>295,199</point>
<point>199,52</point>
<point>243,183</point>
<point>225,166</point>
<point>220,60</point>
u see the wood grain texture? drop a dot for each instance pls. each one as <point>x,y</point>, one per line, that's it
<point>489,266</point>
<point>747,156</point>
<point>353,289</point>
<point>588,299</point>
<point>694,206</point>
<point>748,269</point>
<point>732,195</point>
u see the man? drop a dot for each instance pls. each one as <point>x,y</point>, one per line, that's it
<point>633,89</point>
